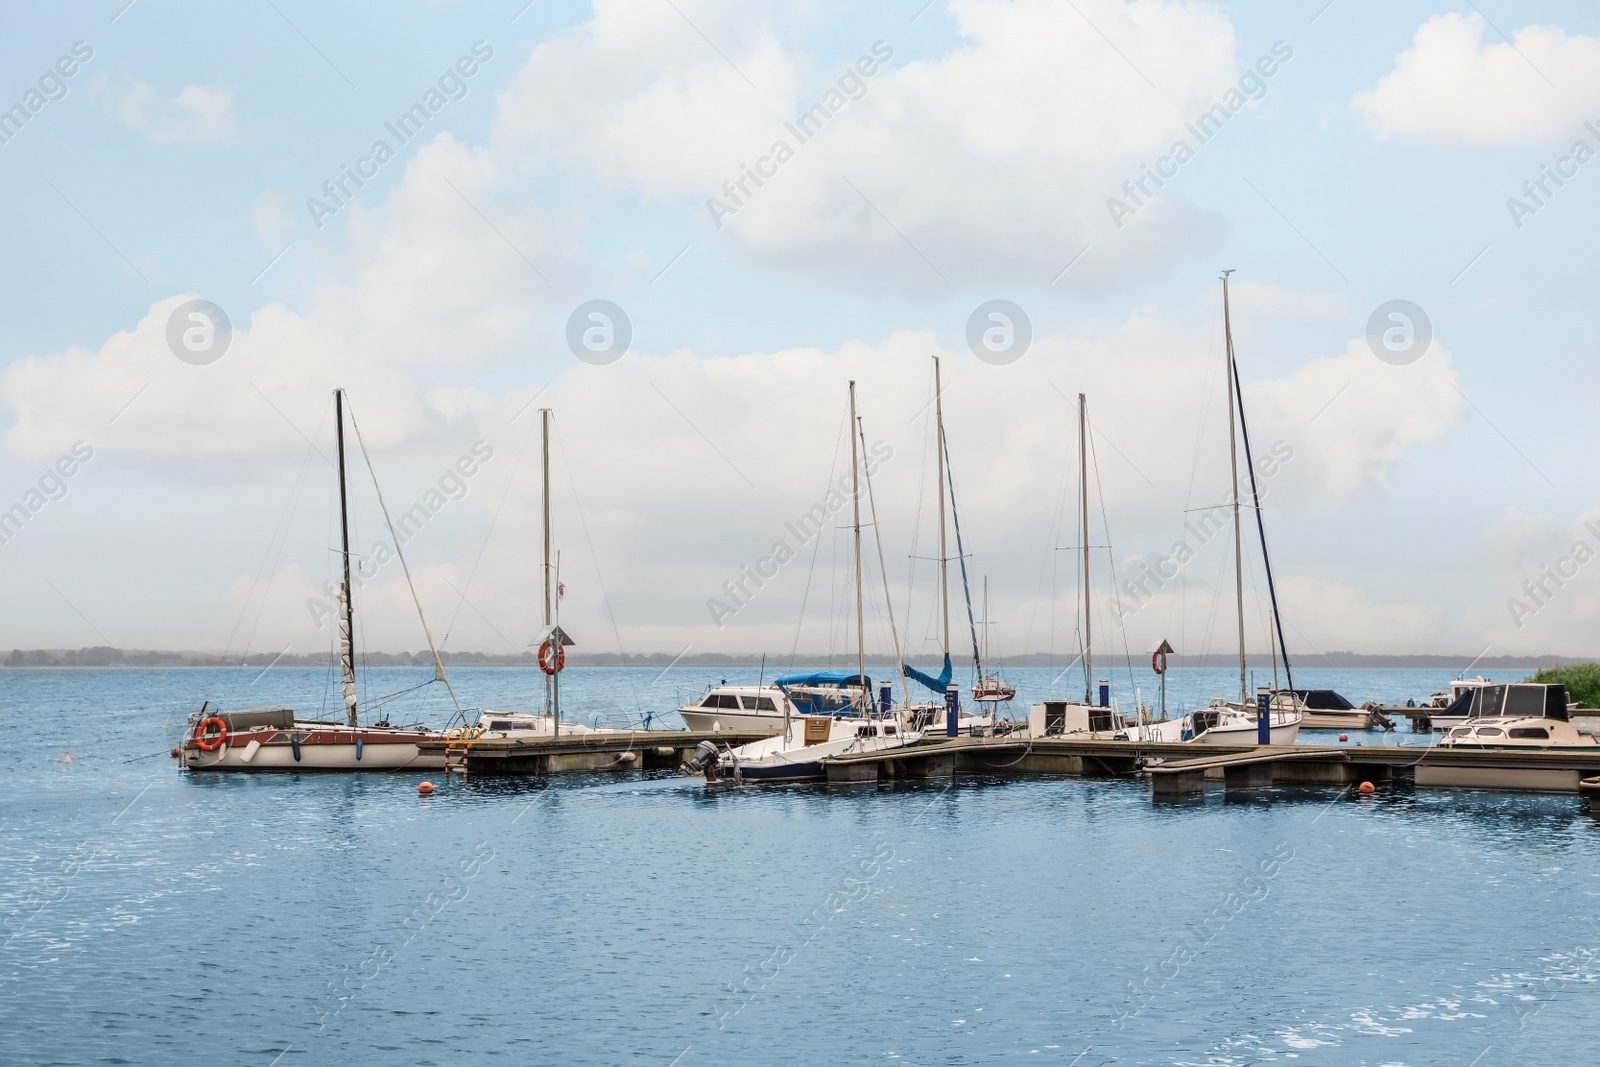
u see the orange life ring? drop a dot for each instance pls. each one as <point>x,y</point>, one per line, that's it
<point>545,658</point>
<point>1158,662</point>
<point>200,733</point>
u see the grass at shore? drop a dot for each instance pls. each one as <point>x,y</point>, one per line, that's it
<point>1581,679</point>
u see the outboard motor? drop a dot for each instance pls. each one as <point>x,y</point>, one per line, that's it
<point>705,758</point>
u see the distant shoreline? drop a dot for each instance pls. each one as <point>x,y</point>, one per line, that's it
<point>106,657</point>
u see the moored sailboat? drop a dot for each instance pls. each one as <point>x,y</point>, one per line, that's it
<point>274,739</point>
<point>801,751</point>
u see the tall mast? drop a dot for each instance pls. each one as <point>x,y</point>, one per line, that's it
<point>347,619</point>
<point>1261,528</point>
<point>1083,483</point>
<point>855,503</point>
<point>944,557</point>
<point>550,690</point>
<point>1233,460</point>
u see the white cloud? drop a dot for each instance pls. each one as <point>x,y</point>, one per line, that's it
<point>1331,615</point>
<point>427,295</point>
<point>1352,417</point>
<point>1454,89</point>
<point>1261,300</point>
<point>196,115</point>
<point>992,160</point>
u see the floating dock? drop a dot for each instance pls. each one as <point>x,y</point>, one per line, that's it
<point>1174,769</point>
<point>1182,769</point>
<point>630,750</point>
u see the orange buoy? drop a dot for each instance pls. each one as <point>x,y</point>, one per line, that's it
<point>1344,737</point>
<point>177,753</point>
<point>425,788</point>
<point>66,757</point>
<point>1368,787</point>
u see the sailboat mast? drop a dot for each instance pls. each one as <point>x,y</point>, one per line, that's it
<point>1261,528</point>
<point>944,556</point>
<point>347,620</point>
<point>1083,483</point>
<point>855,503</point>
<point>550,690</point>
<point>1233,459</point>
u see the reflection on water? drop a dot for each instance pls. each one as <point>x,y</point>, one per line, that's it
<point>154,916</point>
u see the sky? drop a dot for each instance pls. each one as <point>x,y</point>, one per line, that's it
<point>685,226</point>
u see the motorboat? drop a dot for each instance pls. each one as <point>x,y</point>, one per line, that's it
<point>1219,724</point>
<point>991,690</point>
<point>1454,703</point>
<point>739,707</point>
<point>1325,709</point>
<point>528,724</point>
<point>1518,715</point>
<point>801,753</point>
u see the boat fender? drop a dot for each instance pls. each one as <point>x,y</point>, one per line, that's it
<point>294,742</point>
<point>359,743</point>
<point>1368,787</point>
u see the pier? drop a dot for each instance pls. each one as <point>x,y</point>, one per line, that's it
<point>1174,769</point>
<point>1184,769</point>
<point>631,750</point>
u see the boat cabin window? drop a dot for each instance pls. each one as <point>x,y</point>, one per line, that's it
<point>759,704</point>
<point>502,724</point>
<point>1460,731</point>
<point>1531,731</point>
<point>1525,701</point>
<point>1488,701</point>
<point>1488,731</point>
<point>721,700</point>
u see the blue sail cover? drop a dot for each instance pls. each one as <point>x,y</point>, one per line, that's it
<point>820,679</point>
<point>814,703</point>
<point>939,684</point>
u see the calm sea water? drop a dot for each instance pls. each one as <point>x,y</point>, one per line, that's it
<point>152,916</point>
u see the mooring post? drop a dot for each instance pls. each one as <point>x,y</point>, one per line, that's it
<point>1263,718</point>
<point>952,710</point>
<point>885,699</point>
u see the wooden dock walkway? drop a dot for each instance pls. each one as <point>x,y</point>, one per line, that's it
<point>1181,769</point>
<point>632,750</point>
<point>1174,769</point>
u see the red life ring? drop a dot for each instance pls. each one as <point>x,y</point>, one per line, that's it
<point>1158,662</point>
<point>200,733</point>
<point>545,658</point>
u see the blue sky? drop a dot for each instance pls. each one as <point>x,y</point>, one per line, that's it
<point>975,163</point>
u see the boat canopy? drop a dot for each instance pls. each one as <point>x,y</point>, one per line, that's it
<point>939,684</point>
<point>1512,701</point>
<point>824,679</point>
<point>1323,700</point>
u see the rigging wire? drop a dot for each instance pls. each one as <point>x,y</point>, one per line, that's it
<point>450,626</point>
<point>438,664</point>
<point>583,521</point>
<point>816,548</point>
<point>961,554</point>
<point>877,535</point>
<point>1105,522</point>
